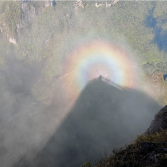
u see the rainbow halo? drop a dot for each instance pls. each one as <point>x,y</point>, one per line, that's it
<point>98,58</point>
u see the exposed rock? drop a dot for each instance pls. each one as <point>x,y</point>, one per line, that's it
<point>4,30</point>
<point>29,11</point>
<point>159,123</point>
<point>108,5</point>
<point>77,5</point>
<point>98,4</point>
<point>48,3</point>
<point>115,1</point>
<point>12,40</point>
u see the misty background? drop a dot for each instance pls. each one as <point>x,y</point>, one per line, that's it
<point>42,125</point>
<point>102,118</point>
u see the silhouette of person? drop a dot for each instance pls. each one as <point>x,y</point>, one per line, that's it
<point>100,77</point>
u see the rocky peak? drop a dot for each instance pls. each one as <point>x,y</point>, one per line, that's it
<point>76,5</point>
<point>48,3</point>
<point>106,4</point>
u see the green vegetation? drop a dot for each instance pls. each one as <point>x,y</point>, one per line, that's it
<point>126,19</point>
<point>140,153</point>
<point>86,164</point>
<point>159,137</point>
<point>48,34</point>
<point>10,15</point>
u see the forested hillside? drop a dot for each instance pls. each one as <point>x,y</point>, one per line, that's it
<point>142,24</point>
<point>37,31</point>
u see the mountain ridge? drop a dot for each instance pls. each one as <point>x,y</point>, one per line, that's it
<point>148,150</point>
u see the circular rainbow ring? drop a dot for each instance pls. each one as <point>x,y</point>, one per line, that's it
<point>98,58</point>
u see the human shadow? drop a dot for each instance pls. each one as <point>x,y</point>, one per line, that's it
<point>160,38</point>
<point>104,116</point>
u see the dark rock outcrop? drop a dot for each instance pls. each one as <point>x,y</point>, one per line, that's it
<point>159,123</point>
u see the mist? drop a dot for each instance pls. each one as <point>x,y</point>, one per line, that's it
<point>45,119</point>
<point>59,132</point>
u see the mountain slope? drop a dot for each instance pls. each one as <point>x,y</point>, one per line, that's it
<point>101,118</point>
<point>148,150</point>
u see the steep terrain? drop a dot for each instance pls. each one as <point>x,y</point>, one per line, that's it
<point>101,118</point>
<point>35,39</point>
<point>148,150</point>
<point>48,30</point>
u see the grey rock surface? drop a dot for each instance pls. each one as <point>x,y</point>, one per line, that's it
<point>159,123</point>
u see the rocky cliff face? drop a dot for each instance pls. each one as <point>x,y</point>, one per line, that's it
<point>148,150</point>
<point>30,10</point>
<point>159,123</point>
<point>16,16</point>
